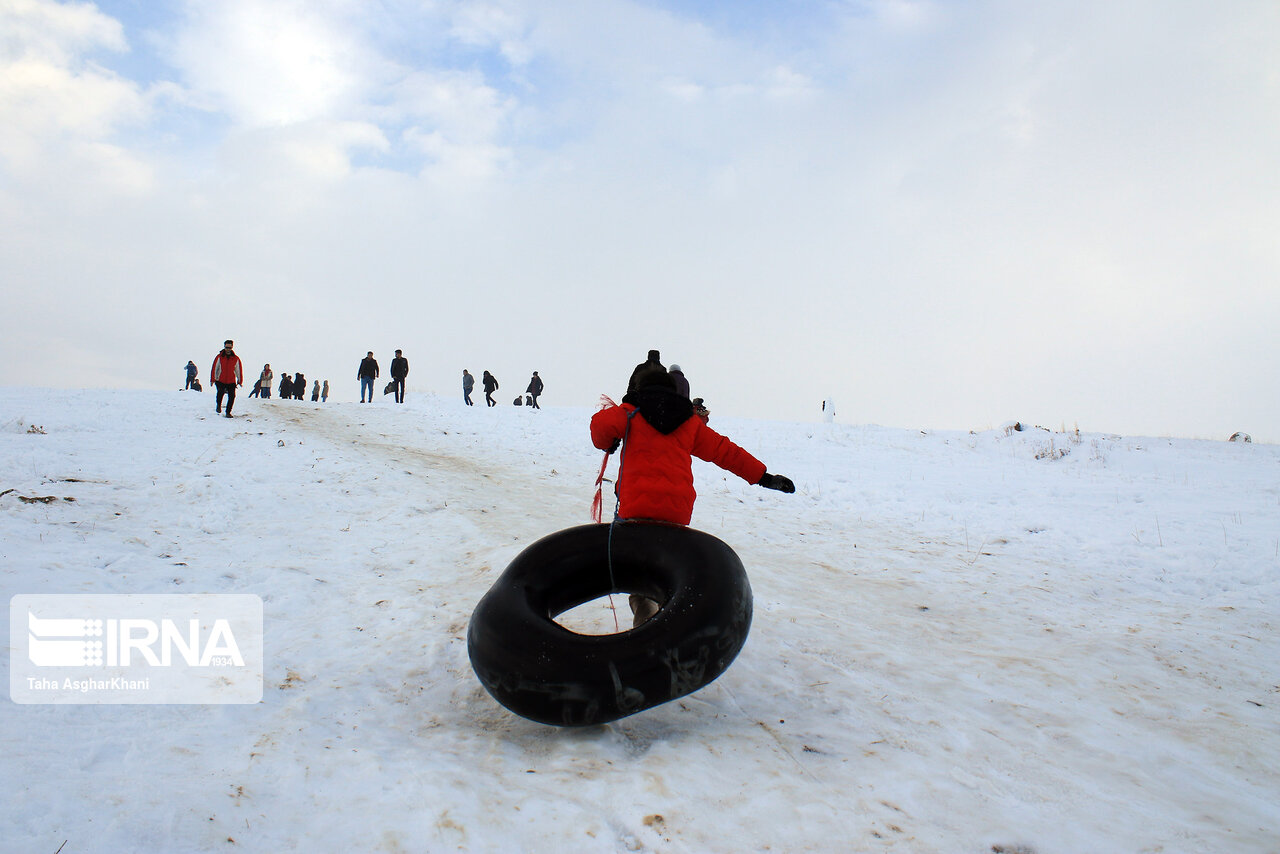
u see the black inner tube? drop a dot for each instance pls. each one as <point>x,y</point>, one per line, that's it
<point>544,672</point>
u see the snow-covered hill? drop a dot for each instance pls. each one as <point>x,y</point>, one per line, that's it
<point>1029,642</point>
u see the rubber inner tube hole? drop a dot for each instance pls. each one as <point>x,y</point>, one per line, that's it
<point>596,617</point>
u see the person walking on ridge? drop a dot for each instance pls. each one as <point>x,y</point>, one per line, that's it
<point>367,374</point>
<point>399,370</point>
<point>226,374</point>
<point>534,389</point>
<point>490,386</point>
<point>468,383</point>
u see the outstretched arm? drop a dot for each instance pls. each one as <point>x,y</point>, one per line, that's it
<point>714,448</point>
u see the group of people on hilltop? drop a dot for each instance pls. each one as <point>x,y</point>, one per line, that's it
<point>227,375</point>
<point>533,391</point>
<point>291,387</point>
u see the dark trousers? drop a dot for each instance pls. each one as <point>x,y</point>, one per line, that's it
<point>228,389</point>
<point>399,384</point>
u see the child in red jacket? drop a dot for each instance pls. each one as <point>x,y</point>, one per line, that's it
<point>659,434</point>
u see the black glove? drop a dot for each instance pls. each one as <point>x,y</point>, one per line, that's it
<point>613,447</point>
<point>778,482</point>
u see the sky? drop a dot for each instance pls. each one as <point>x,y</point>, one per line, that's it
<point>941,215</point>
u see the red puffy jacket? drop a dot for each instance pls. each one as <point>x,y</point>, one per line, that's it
<point>226,369</point>
<point>656,476</point>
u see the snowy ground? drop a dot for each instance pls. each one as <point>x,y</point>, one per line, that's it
<point>957,646</point>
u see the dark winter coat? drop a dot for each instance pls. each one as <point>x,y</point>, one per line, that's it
<point>535,386</point>
<point>490,383</point>
<point>468,383</point>
<point>399,368</point>
<point>299,387</point>
<point>660,433</point>
<point>682,384</point>
<point>368,367</point>
<point>644,368</point>
<point>286,387</point>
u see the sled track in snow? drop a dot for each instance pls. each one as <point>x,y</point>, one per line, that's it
<point>491,489</point>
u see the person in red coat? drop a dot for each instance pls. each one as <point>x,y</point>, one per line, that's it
<point>659,434</point>
<point>656,428</point>
<point>227,373</point>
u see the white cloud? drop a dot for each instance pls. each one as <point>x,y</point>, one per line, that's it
<point>491,25</point>
<point>271,62</point>
<point>904,14</point>
<point>453,161</point>
<point>38,98</point>
<point>58,33</point>
<point>303,152</point>
<point>459,105</point>
<point>55,102</point>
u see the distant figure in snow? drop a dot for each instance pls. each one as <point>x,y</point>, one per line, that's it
<point>299,386</point>
<point>226,374</point>
<point>682,384</point>
<point>490,386</point>
<point>655,358</point>
<point>700,410</point>
<point>659,434</point>
<point>315,392</point>
<point>324,392</point>
<point>534,389</point>
<point>829,411</point>
<point>468,383</point>
<point>286,387</point>
<point>399,370</point>
<point>257,388</point>
<point>367,374</point>
<point>192,373</point>
<point>265,379</point>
